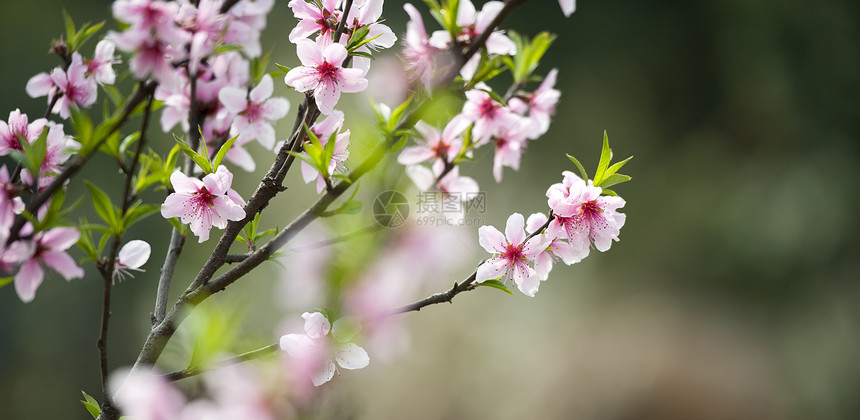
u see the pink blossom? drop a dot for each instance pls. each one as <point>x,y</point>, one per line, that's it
<point>417,51</point>
<point>145,394</point>
<point>324,130</point>
<point>557,249</point>
<point>203,204</point>
<point>150,17</point>
<point>46,248</point>
<point>367,15</point>
<point>514,254</point>
<point>204,21</point>
<point>473,24</point>
<point>450,184</point>
<point>76,89</point>
<point>101,66</point>
<point>491,118</point>
<point>567,7</point>
<point>314,17</point>
<point>151,56</point>
<point>10,204</point>
<point>539,105</point>
<point>582,215</point>
<point>18,127</point>
<point>131,257</point>
<point>255,112</point>
<point>445,145</point>
<point>321,72</point>
<point>247,20</point>
<point>60,148</point>
<point>510,145</point>
<point>318,350</point>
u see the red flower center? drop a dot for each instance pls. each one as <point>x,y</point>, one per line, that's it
<point>590,210</point>
<point>488,108</point>
<point>203,198</point>
<point>514,253</point>
<point>327,71</point>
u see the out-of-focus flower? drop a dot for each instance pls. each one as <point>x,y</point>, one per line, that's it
<point>417,51</point>
<point>473,24</point>
<point>321,72</point>
<point>131,257</point>
<point>567,7</point>
<point>255,112</point>
<point>510,145</point>
<point>101,66</point>
<point>491,118</point>
<point>76,89</point>
<point>60,148</point>
<point>444,146</point>
<point>18,127</point>
<point>514,254</point>
<point>318,352</point>
<point>46,248</point>
<point>146,395</point>
<point>539,105</point>
<point>324,130</point>
<point>247,20</point>
<point>203,204</point>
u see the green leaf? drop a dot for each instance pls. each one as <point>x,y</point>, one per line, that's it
<point>582,173</point>
<point>614,179</point>
<point>128,141</point>
<point>361,54</point>
<point>138,212</point>
<point>202,162</point>
<point>70,28</point>
<point>6,280</point>
<point>222,152</point>
<point>398,112</point>
<point>614,168</point>
<point>605,158</point>
<point>91,405</point>
<point>495,284</point>
<point>113,94</point>
<point>103,206</point>
<point>283,68</point>
<point>85,33</point>
<point>224,48</point>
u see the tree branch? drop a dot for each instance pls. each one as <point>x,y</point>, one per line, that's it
<point>244,357</point>
<point>108,269</point>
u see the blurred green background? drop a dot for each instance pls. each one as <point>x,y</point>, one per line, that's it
<point>732,294</point>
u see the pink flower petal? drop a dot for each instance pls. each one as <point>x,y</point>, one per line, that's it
<point>491,269</point>
<point>514,229</point>
<point>28,279</point>
<point>63,264</point>
<point>351,356</point>
<point>491,239</point>
<point>134,254</point>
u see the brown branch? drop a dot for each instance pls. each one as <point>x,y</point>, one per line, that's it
<point>107,270</point>
<point>244,357</point>
<point>204,285</point>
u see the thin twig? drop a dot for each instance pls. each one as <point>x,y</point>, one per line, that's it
<point>244,357</point>
<point>202,287</point>
<point>108,269</point>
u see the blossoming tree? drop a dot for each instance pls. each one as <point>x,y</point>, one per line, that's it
<point>200,66</point>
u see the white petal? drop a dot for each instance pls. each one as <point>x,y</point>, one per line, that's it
<point>351,356</point>
<point>134,254</point>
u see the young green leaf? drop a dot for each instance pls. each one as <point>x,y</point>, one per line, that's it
<point>495,284</point>
<point>91,405</point>
<point>582,173</point>
<point>103,207</point>
<point>223,152</point>
<point>605,158</point>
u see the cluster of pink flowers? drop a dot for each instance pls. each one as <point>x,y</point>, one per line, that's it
<point>581,216</point>
<point>507,126</point>
<point>26,258</point>
<point>75,86</point>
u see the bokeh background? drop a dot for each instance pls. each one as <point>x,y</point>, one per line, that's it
<point>733,292</point>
